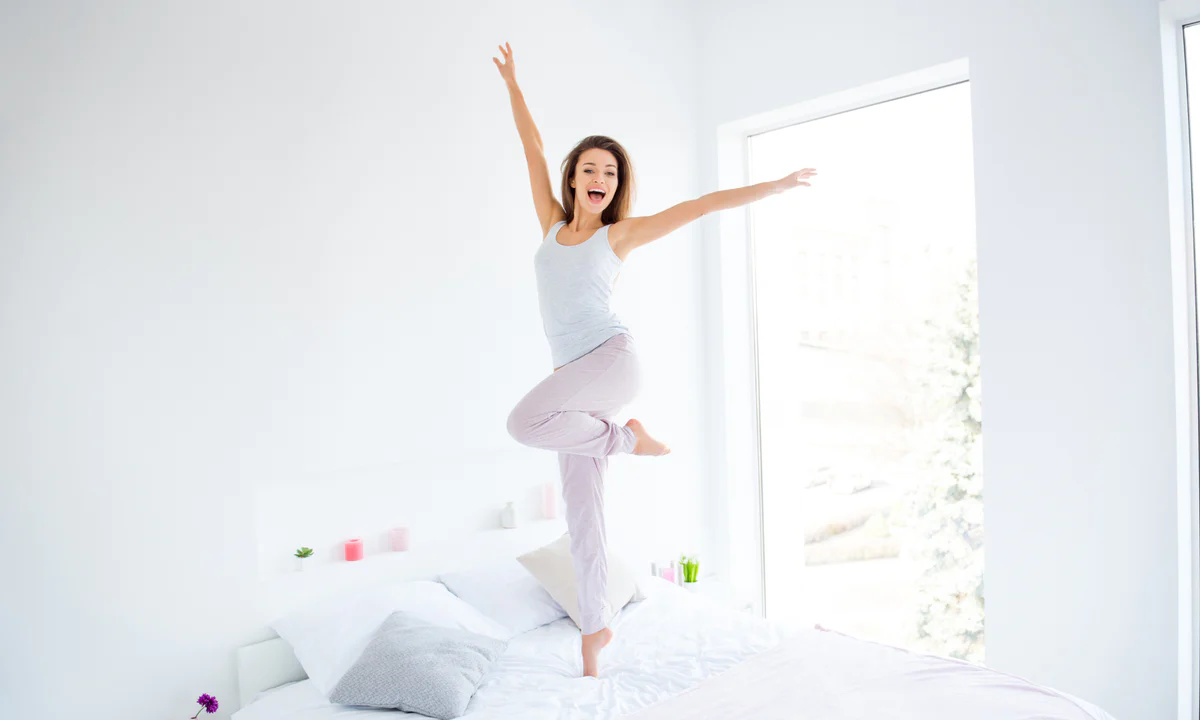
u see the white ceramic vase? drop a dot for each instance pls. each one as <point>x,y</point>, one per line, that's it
<point>508,516</point>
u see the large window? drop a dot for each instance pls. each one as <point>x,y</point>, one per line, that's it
<point>868,374</point>
<point>1182,91</point>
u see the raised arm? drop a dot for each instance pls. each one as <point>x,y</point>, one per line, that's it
<point>635,232</point>
<point>549,210</point>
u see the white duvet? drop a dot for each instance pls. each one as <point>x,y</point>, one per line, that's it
<point>671,657</point>
<point>824,674</point>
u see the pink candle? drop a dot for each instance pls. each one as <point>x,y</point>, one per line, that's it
<point>399,538</point>
<point>550,500</point>
<point>668,574</point>
<point>354,549</point>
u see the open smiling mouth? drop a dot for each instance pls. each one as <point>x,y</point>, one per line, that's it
<point>596,196</point>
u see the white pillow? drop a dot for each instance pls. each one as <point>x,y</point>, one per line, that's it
<point>328,636</point>
<point>506,593</point>
<point>553,568</point>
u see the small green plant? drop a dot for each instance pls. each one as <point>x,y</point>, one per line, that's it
<point>691,568</point>
<point>304,552</point>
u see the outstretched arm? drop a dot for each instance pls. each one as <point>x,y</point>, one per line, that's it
<point>549,210</point>
<point>638,231</point>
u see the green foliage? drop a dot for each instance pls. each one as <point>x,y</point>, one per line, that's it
<point>304,552</point>
<point>691,568</point>
<point>945,510</point>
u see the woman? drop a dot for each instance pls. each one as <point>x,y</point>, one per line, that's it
<point>585,241</point>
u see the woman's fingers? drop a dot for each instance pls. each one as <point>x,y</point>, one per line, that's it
<point>797,179</point>
<point>506,66</point>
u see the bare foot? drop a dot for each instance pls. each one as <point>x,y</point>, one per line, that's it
<point>646,445</point>
<point>592,645</point>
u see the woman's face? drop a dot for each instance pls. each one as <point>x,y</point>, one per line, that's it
<point>595,180</point>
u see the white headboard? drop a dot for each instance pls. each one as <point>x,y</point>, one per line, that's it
<point>266,665</point>
<point>271,663</point>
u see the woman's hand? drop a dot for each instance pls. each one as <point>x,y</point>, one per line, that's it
<point>508,70</point>
<point>795,180</point>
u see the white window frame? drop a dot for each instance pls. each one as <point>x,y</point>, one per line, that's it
<point>739,498</point>
<point>1175,14</point>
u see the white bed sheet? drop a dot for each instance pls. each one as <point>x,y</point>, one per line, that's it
<point>833,676</point>
<point>672,643</point>
<point>662,646</point>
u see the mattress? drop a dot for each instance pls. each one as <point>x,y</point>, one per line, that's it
<point>675,655</point>
<point>661,646</point>
<point>824,674</point>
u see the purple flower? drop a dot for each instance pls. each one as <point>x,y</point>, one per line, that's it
<point>208,703</point>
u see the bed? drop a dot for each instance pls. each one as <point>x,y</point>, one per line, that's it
<point>676,655</point>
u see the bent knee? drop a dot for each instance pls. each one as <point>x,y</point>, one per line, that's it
<point>528,428</point>
<point>518,425</point>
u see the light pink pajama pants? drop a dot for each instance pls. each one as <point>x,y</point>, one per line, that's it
<point>571,412</point>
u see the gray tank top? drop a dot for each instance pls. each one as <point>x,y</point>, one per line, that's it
<point>575,283</point>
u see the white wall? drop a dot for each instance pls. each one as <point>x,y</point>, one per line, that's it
<point>1075,305</point>
<point>224,277</point>
<point>257,256</point>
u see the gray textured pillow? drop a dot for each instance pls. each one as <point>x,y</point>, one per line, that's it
<point>413,666</point>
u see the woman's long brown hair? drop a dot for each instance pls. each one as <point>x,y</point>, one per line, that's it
<point>621,205</point>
